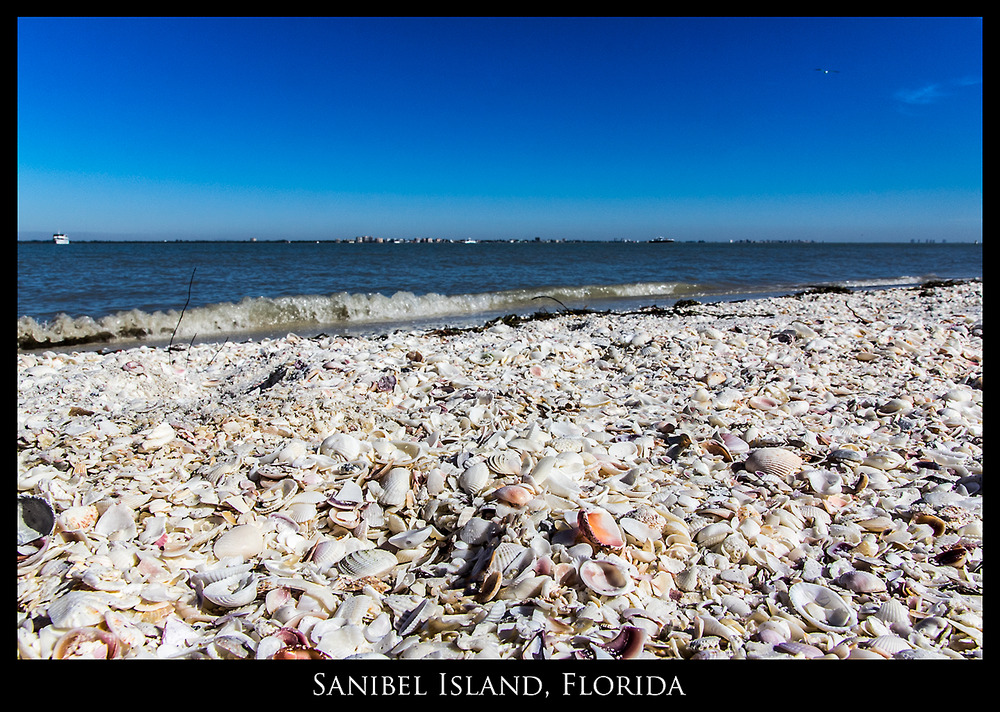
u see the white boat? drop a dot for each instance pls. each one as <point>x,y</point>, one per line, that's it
<point>60,239</point>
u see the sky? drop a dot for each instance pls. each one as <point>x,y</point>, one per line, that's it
<point>500,128</point>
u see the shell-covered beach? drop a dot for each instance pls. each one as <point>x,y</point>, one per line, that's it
<point>790,477</point>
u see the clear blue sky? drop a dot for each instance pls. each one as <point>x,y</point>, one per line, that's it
<point>698,128</point>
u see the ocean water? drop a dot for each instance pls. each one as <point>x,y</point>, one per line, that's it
<point>114,293</point>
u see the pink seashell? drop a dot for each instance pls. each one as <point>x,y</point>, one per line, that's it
<point>518,495</point>
<point>773,461</point>
<point>600,528</point>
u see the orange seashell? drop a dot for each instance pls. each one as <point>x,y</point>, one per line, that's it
<point>600,528</point>
<point>518,495</point>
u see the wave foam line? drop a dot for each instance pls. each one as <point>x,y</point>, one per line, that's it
<point>258,314</point>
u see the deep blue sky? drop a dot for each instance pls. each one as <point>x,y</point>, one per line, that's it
<point>697,128</point>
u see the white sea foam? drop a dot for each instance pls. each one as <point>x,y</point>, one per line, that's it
<point>341,310</point>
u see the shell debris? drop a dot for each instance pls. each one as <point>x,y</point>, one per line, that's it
<point>765,479</point>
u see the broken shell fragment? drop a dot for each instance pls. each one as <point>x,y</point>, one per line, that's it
<point>823,608</point>
<point>35,518</point>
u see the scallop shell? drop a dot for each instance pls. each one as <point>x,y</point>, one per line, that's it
<point>395,484</point>
<point>822,607</point>
<point>773,461</point>
<point>367,562</point>
<point>599,527</point>
<point>35,518</point>
<point>893,613</point>
<point>606,578</point>
<point>506,462</point>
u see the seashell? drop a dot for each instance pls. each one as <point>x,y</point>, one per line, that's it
<point>157,437</point>
<point>734,443</point>
<point>89,643</point>
<point>599,527</point>
<point>327,551</point>
<point>605,578</point>
<point>824,482</point>
<point>35,518</point>
<point>888,645</point>
<point>475,478</point>
<point>244,541</point>
<point>397,452</point>
<point>350,495</point>
<point>117,523</point>
<point>823,608</point>
<point>77,609</point>
<point>395,484</point>
<point>713,534</point>
<point>794,647</point>
<point>367,562</point>
<point>860,582</point>
<point>300,652</point>
<point>938,526</point>
<point>773,461</point>
<point>763,403</point>
<point>78,518</point>
<point>714,447</point>
<point>506,462</point>
<point>477,531</point>
<point>895,405</point>
<point>518,495</point>
<point>341,445</point>
<point>232,591</point>
<point>884,460</point>
<point>510,559</point>
<point>271,499</point>
<point>627,644</point>
<point>893,613</point>
<point>411,537</point>
<point>844,454</point>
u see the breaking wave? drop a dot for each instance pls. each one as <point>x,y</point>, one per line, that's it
<point>335,311</point>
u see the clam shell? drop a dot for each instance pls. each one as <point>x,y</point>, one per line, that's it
<point>244,541</point>
<point>367,562</point>
<point>89,643</point>
<point>822,607</point>
<point>518,495</point>
<point>477,531</point>
<point>860,582</point>
<point>713,534</point>
<point>506,462</point>
<point>605,578</point>
<point>773,461</point>
<point>35,518</point>
<point>475,478</point>
<point>340,445</point>
<point>599,527</point>
<point>232,591</point>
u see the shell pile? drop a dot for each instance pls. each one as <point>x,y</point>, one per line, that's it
<point>796,477</point>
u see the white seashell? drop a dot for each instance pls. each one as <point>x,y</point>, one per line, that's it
<point>232,591</point>
<point>478,531</point>
<point>893,613</point>
<point>35,518</point>
<point>117,523</point>
<point>605,578</point>
<point>411,537</point>
<point>157,437</point>
<point>350,495</point>
<point>773,461</point>
<point>367,562</point>
<point>884,460</point>
<point>88,643</point>
<point>860,582</point>
<point>822,607</point>
<point>475,478</point>
<point>78,518</point>
<point>506,462</point>
<point>713,534</point>
<point>397,452</point>
<point>888,645</point>
<point>395,484</point>
<point>244,542</point>
<point>340,445</point>
<point>824,482</point>
<point>77,609</point>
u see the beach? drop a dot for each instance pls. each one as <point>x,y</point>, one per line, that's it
<point>789,477</point>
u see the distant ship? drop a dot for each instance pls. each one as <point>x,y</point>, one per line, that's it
<point>60,239</point>
<point>662,239</point>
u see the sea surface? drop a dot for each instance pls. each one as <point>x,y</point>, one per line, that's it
<point>113,294</point>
